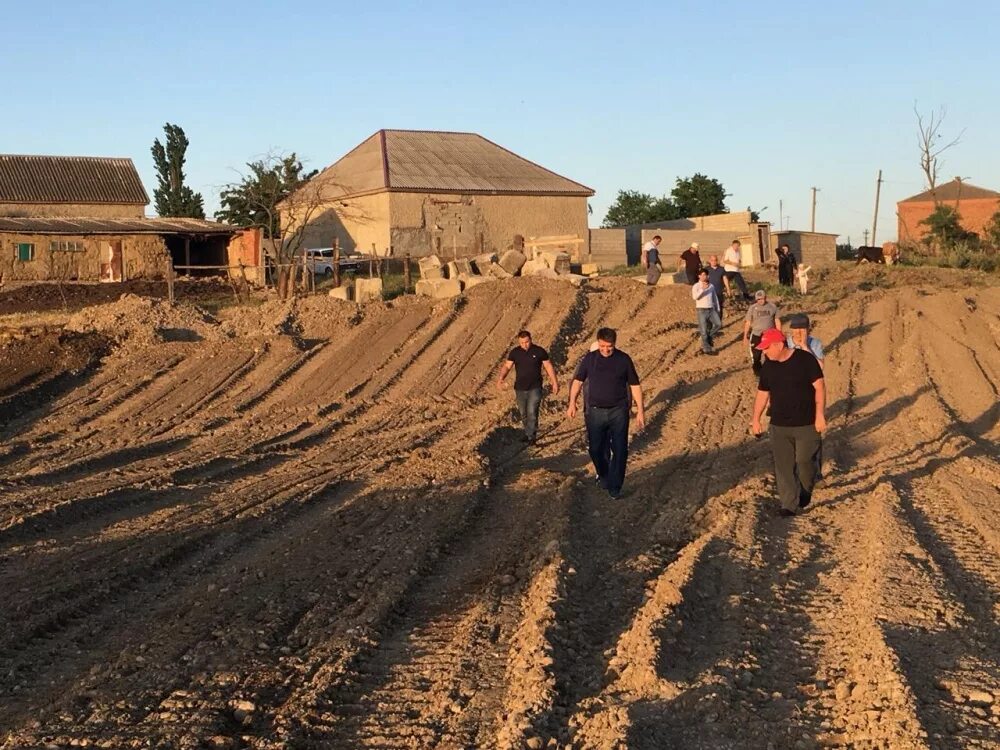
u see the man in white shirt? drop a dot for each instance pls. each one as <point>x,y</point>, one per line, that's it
<point>732,261</point>
<point>651,260</point>
<point>706,303</point>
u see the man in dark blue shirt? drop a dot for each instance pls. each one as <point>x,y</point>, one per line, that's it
<point>613,384</point>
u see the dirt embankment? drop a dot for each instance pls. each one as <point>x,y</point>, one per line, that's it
<point>310,526</point>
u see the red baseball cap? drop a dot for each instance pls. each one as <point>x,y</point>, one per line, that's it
<point>770,336</point>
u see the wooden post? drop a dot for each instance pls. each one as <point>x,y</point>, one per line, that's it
<point>336,261</point>
<point>170,280</point>
<point>407,273</point>
<point>878,189</point>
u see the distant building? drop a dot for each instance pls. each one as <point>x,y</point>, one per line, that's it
<point>811,248</point>
<point>82,218</point>
<point>418,192</point>
<point>975,206</point>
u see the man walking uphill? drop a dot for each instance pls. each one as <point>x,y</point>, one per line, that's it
<point>761,315</point>
<point>650,260</point>
<point>792,381</point>
<point>528,359</point>
<point>692,263</point>
<point>612,383</point>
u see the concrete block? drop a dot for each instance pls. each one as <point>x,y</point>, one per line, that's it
<point>666,279</point>
<point>367,289</point>
<point>342,292</point>
<point>532,267</point>
<point>439,288</point>
<point>511,261</point>
<point>482,263</point>
<point>589,269</point>
<point>473,280</point>
<point>458,268</point>
<point>546,273</point>
<point>557,261</point>
<point>497,271</point>
<point>573,278</point>
<point>430,267</point>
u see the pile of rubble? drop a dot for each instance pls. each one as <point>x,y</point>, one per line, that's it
<point>441,280</point>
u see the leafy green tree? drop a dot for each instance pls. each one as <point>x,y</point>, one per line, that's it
<point>253,202</point>
<point>699,195</point>
<point>944,227</point>
<point>992,232</point>
<point>633,207</point>
<point>172,197</point>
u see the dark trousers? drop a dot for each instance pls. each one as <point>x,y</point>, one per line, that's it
<point>528,403</point>
<point>691,275</point>
<point>795,451</point>
<point>653,273</point>
<point>738,278</point>
<point>608,428</point>
<point>756,354</point>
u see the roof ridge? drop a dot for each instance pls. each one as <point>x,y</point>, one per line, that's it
<point>57,156</point>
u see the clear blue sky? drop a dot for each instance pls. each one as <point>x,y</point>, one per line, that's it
<point>770,98</point>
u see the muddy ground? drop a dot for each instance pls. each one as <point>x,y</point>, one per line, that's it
<point>314,527</point>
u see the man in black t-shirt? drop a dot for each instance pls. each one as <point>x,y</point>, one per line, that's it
<point>792,381</point>
<point>613,383</point>
<point>692,263</point>
<point>528,359</point>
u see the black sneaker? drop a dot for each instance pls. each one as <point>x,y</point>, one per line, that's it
<point>804,498</point>
<point>614,494</point>
<point>785,513</point>
<point>601,482</point>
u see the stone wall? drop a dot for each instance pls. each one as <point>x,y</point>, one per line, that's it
<point>737,224</point>
<point>57,210</point>
<point>357,223</point>
<point>676,241</point>
<point>811,248</point>
<point>143,256</point>
<point>488,222</point>
<point>607,247</point>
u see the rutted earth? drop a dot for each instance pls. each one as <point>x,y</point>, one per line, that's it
<point>310,527</point>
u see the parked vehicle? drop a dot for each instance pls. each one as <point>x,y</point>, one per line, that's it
<point>319,260</point>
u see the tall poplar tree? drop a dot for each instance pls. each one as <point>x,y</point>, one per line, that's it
<point>172,197</point>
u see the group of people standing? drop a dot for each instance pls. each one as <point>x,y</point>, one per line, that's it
<point>788,367</point>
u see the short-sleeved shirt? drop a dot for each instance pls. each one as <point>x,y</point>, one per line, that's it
<point>715,276</point>
<point>790,385</point>
<point>732,259</point>
<point>652,253</point>
<point>813,345</point>
<point>527,366</point>
<point>761,317</point>
<point>692,260</point>
<point>609,378</point>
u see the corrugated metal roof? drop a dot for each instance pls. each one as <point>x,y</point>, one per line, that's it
<point>952,191</point>
<point>436,161</point>
<point>87,225</point>
<point>69,179</point>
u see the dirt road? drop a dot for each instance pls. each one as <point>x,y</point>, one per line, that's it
<point>316,528</point>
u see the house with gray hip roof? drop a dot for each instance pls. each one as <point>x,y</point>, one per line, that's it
<point>419,192</point>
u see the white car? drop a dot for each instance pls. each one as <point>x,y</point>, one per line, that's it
<point>319,260</point>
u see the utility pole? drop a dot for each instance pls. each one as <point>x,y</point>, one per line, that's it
<point>812,222</point>
<point>781,215</point>
<point>865,233</point>
<point>878,190</point>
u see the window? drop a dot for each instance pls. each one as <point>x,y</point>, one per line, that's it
<point>70,246</point>
<point>25,251</point>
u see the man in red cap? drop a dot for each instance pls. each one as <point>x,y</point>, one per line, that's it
<point>791,380</point>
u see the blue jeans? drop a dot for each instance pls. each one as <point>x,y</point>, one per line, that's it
<point>709,324</point>
<point>608,428</point>
<point>528,403</point>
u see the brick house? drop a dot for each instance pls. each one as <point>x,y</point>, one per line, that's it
<point>418,192</point>
<point>975,206</point>
<point>82,219</point>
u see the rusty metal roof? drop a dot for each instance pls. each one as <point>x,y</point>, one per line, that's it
<point>87,225</point>
<point>69,179</point>
<point>956,190</point>
<point>428,161</point>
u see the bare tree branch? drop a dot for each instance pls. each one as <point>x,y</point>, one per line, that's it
<point>929,142</point>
